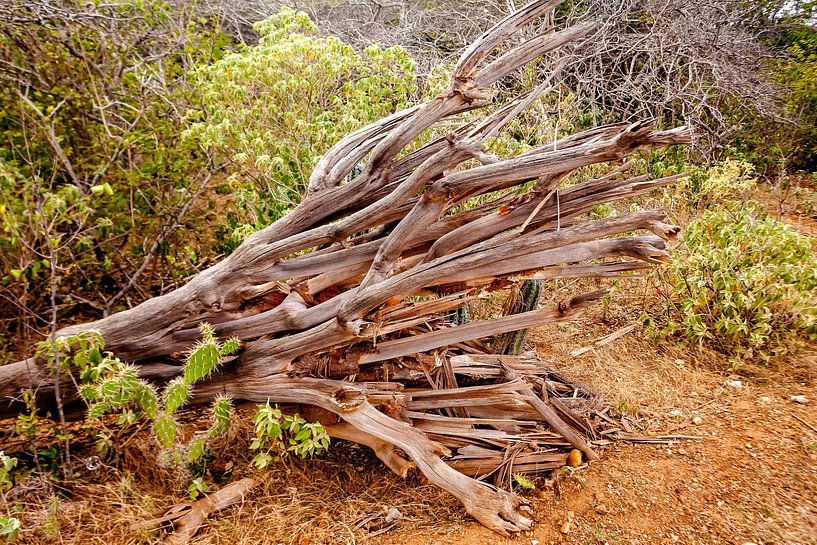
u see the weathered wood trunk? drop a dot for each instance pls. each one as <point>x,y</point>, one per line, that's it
<point>341,304</point>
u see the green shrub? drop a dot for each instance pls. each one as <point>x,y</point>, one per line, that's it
<point>277,434</point>
<point>743,283</point>
<point>271,110</point>
<point>92,102</point>
<point>108,385</point>
<point>708,184</point>
<point>714,184</point>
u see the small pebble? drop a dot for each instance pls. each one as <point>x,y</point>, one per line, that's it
<point>799,399</point>
<point>568,525</point>
<point>697,420</point>
<point>766,399</point>
<point>393,515</point>
<point>736,384</point>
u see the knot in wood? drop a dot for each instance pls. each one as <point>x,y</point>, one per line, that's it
<point>347,398</point>
<point>469,90</point>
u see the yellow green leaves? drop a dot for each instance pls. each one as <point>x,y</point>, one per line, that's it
<point>102,189</point>
<point>9,528</point>
<point>277,433</point>
<point>271,110</point>
<point>745,283</point>
<point>196,488</point>
<point>7,464</point>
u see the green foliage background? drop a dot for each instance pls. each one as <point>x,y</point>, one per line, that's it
<point>270,111</point>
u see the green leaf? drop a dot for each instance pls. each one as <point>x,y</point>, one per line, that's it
<point>198,486</point>
<point>98,409</point>
<point>9,527</point>
<point>94,355</point>
<point>523,482</point>
<point>261,460</point>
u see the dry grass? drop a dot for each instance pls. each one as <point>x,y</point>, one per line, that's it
<point>343,497</point>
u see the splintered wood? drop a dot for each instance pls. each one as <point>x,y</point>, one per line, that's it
<point>487,410</point>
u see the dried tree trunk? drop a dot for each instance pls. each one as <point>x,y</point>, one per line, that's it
<point>341,304</point>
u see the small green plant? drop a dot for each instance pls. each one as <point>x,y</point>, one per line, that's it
<point>203,359</point>
<point>9,526</point>
<point>197,487</point>
<point>29,424</point>
<point>744,283</point>
<point>730,179</point>
<point>602,211</point>
<point>104,382</point>
<point>7,464</point>
<point>277,433</point>
<point>109,385</point>
<point>523,482</point>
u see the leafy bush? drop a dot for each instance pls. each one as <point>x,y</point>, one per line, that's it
<point>743,283</point>
<point>707,184</point>
<point>270,110</point>
<point>714,184</point>
<point>108,385</point>
<point>277,433</point>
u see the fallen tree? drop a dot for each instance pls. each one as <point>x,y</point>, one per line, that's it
<point>343,303</point>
